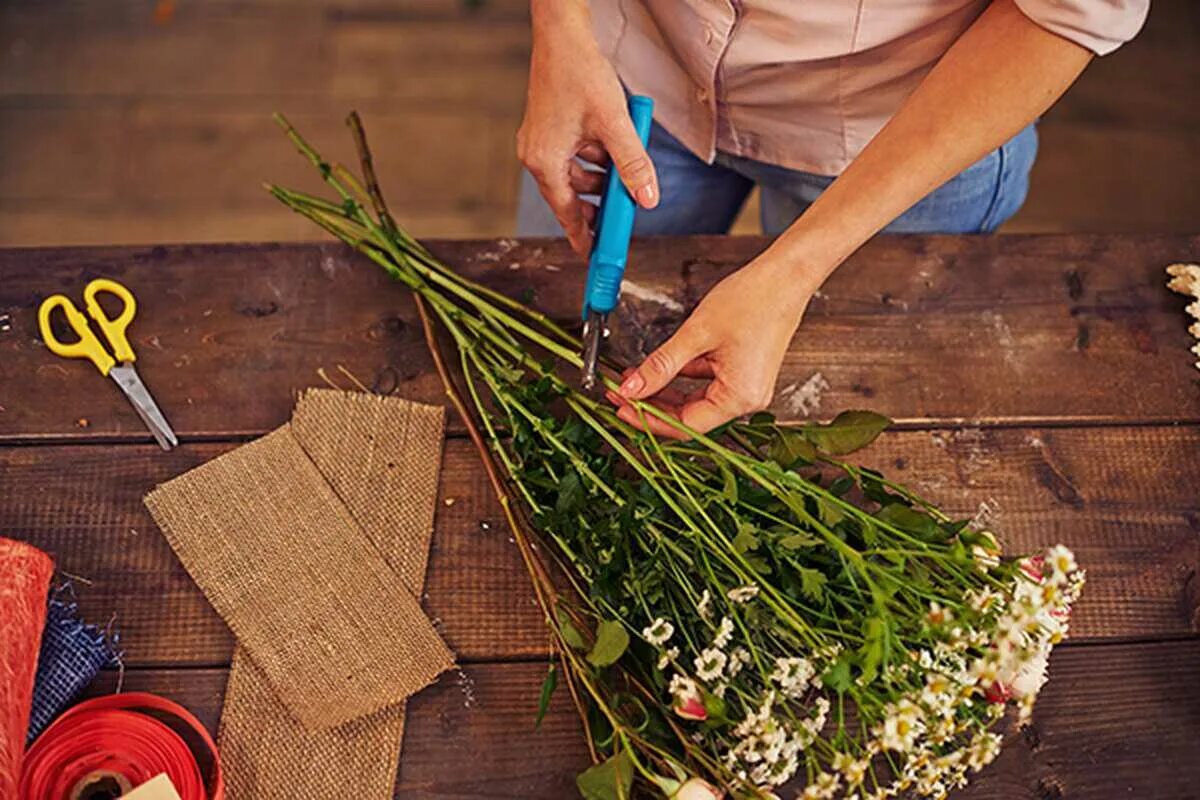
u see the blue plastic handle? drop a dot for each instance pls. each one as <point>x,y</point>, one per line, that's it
<point>614,226</point>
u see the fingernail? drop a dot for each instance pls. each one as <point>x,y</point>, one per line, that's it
<point>647,196</point>
<point>632,385</point>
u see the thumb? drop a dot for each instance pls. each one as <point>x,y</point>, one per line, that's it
<point>631,161</point>
<point>661,366</point>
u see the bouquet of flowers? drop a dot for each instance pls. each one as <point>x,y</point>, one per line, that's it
<point>734,612</point>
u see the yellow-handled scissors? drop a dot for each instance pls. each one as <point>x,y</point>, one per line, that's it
<point>88,346</point>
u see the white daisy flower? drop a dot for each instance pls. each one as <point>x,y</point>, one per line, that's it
<point>710,664</point>
<point>739,658</point>
<point>1061,562</point>
<point>658,632</point>
<point>743,594</point>
<point>793,675</point>
<point>724,633</point>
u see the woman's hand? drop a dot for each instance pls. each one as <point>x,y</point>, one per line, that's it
<point>576,107</point>
<point>736,339</point>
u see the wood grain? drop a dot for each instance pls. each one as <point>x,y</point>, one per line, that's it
<point>925,329</point>
<point>1115,720</point>
<point>1115,495</point>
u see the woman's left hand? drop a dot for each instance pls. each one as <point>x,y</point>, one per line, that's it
<point>735,339</point>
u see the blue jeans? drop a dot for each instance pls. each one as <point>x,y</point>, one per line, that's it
<point>705,198</point>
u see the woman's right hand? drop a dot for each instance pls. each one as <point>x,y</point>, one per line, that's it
<point>575,106</point>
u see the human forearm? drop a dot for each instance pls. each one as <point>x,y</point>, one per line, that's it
<point>997,78</point>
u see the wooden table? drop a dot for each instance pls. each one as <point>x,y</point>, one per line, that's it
<point>1043,380</point>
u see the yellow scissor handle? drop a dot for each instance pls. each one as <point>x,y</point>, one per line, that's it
<point>88,345</point>
<point>114,329</point>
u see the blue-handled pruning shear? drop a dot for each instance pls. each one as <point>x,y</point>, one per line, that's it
<point>610,250</point>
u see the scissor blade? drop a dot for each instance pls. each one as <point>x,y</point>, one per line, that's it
<point>594,330</point>
<point>127,378</point>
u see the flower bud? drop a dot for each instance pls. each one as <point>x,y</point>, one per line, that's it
<point>697,789</point>
<point>691,708</point>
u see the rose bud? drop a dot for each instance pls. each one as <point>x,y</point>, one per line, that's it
<point>999,692</point>
<point>691,708</point>
<point>696,789</point>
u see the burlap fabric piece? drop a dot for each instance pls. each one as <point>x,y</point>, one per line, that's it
<point>382,457</point>
<point>302,587</point>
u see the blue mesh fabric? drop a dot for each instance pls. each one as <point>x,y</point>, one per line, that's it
<point>72,654</point>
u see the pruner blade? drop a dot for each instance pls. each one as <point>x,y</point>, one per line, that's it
<point>595,329</point>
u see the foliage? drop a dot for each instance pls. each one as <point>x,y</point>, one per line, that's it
<point>742,605</point>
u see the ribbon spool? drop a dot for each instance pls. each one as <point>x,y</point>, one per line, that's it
<point>102,748</point>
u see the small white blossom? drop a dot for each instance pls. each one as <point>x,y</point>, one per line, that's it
<point>793,675</point>
<point>939,614</point>
<point>901,726</point>
<point>739,658</point>
<point>724,633</point>
<point>983,750</point>
<point>658,632</point>
<point>682,687</point>
<point>1061,562</point>
<point>710,664</point>
<point>668,655</point>
<point>826,785</point>
<point>743,594</point>
<point>702,607</point>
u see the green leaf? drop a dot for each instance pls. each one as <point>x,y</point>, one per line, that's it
<point>849,431</point>
<point>758,564</point>
<point>608,780</point>
<point>746,538</point>
<point>548,687</point>
<point>837,677</point>
<point>762,418</point>
<point>729,490</point>
<point>901,516</point>
<point>796,541</point>
<point>790,447</point>
<point>870,533</point>
<point>715,708</point>
<point>812,583</point>
<point>611,641</point>
<point>570,493</point>
<point>570,633</point>
<point>829,513</point>
<point>872,650</point>
<point>841,485</point>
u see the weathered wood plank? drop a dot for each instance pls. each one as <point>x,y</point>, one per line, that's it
<point>1113,494</point>
<point>1115,720</point>
<point>925,329</point>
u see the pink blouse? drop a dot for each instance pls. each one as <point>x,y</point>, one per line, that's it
<point>807,83</point>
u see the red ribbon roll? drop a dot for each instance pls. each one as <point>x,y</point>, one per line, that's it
<point>24,583</point>
<point>122,736</point>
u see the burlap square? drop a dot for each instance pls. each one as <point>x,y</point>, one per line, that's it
<point>303,588</point>
<point>382,457</point>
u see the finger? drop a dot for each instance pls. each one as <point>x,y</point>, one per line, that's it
<point>697,368</point>
<point>584,181</point>
<point>717,405</point>
<point>661,366</point>
<point>568,210</point>
<point>594,153</point>
<point>589,214</point>
<point>667,397</point>
<point>632,161</point>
